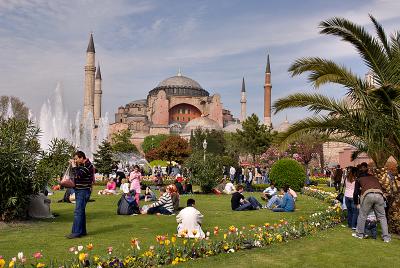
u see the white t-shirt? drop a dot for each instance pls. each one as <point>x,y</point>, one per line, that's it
<point>229,188</point>
<point>270,191</point>
<point>232,171</point>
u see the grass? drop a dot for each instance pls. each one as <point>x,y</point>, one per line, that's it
<point>105,229</point>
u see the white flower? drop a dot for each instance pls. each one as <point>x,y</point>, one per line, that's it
<point>80,248</point>
<point>231,250</point>
<point>20,255</point>
<point>208,234</point>
<point>14,259</point>
<point>76,252</point>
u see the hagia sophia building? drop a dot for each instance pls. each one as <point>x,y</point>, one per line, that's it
<point>178,105</point>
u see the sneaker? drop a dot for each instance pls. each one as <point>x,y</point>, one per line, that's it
<point>354,228</point>
<point>72,236</point>
<point>357,236</point>
<point>386,240</point>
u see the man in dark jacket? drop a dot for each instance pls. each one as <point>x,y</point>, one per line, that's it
<point>368,193</point>
<point>337,177</point>
<point>83,171</point>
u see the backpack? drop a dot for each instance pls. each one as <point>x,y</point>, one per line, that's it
<point>127,206</point>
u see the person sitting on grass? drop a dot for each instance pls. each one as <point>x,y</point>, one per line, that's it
<point>189,221</point>
<point>163,206</point>
<point>110,188</point>
<point>239,203</point>
<point>173,191</point>
<point>149,195</point>
<point>370,225</point>
<point>269,192</point>
<point>229,188</point>
<point>127,204</point>
<point>287,202</point>
<point>219,189</point>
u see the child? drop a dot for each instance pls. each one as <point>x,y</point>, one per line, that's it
<point>370,225</point>
<point>124,186</point>
<point>149,195</point>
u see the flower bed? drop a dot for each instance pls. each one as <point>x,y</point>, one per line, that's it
<point>328,197</point>
<point>174,250</point>
<point>320,180</point>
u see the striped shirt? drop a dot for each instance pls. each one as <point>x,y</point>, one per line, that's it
<point>166,201</point>
<point>84,175</point>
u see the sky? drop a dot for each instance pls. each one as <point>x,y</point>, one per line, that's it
<point>140,43</point>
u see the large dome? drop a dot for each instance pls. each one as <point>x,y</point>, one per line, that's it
<point>180,85</point>
<point>203,123</point>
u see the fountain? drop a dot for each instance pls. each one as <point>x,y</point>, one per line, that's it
<point>8,113</point>
<point>54,122</point>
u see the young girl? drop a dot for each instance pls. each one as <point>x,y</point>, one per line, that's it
<point>110,188</point>
<point>134,179</point>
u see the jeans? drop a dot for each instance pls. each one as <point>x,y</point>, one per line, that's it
<point>370,229</point>
<point>280,210</point>
<point>352,212</point>
<point>81,198</point>
<point>251,204</point>
<point>160,209</point>
<point>376,202</point>
<point>275,200</point>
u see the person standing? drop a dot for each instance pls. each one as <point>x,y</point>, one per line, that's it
<point>134,178</point>
<point>337,177</point>
<point>368,195</point>
<point>232,172</point>
<point>352,210</point>
<point>83,171</point>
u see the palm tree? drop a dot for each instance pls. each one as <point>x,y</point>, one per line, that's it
<point>369,116</point>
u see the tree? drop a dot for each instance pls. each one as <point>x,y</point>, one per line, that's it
<point>121,142</point>
<point>55,160</point>
<point>20,175</point>
<point>152,141</point>
<point>255,137</point>
<point>19,109</point>
<point>215,141</point>
<point>307,148</point>
<point>204,173</point>
<point>174,148</point>
<point>369,117</point>
<point>103,158</point>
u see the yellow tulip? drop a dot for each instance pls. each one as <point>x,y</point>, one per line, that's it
<point>2,263</point>
<point>40,265</point>
<point>82,257</point>
<point>173,239</point>
<point>11,264</point>
<point>167,242</point>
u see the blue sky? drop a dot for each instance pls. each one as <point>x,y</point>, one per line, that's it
<point>140,43</point>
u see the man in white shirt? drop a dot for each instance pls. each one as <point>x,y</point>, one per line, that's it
<point>229,188</point>
<point>269,192</point>
<point>189,221</point>
<point>232,172</point>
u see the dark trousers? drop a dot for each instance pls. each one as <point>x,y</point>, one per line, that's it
<point>251,204</point>
<point>160,210</point>
<point>352,212</point>
<point>81,198</point>
<point>337,185</point>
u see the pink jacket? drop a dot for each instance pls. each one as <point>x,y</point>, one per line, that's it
<point>134,179</point>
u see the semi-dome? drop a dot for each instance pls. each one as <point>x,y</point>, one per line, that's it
<point>231,128</point>
<point>203,123</point>
<point>283,127</point>
<point>180,85</point>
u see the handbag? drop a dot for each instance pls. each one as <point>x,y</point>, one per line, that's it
<point>67,181</point>
<point>340,196</point>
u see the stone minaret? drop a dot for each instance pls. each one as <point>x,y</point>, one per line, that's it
<point>243,102</point>
<point>90,69</point>
<point>267,95</point>
<point>97,96</point>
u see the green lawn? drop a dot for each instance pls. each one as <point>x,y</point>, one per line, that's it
<point>105,229</point>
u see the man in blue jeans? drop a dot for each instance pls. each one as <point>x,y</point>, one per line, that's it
<point>84,178</point>
<point>239,203</point>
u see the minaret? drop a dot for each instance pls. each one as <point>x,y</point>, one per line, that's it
<point>90,69</point>
<point>267,95</point>
<point>243,102</point>
<point>97,96</point>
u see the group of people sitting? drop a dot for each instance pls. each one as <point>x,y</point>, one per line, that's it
<point>283,202</point>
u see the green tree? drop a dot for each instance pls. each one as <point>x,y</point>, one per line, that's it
<point>369,116</point>
<point>20,177</point>
<point>103,158</point>
<point>18,107</point>
<point>55,160</point>
<point>204,173</point>
<point>152,141</point>
<point>255,137</point>
<point>121,142</point>
<point>215,141</point>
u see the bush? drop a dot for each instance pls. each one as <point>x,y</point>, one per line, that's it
<point>156,163</point>
<point>288,171</point>
<point>205,174</point>
<point>20,173</point>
